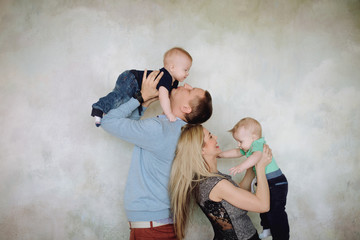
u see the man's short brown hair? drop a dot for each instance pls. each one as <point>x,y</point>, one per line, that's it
<point>201,109</point>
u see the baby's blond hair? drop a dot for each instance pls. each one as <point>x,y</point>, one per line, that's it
<point>250,124</point>
<point>173,52</point>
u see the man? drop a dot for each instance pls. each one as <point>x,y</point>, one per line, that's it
<point>147,202</point>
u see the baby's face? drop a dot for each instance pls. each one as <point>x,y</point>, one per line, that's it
<point>244,138</point>
<point>181,67</point>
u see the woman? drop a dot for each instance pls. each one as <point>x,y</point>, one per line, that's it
<point>194,175</point>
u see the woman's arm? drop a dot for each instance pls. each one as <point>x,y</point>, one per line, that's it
<point>246,181</point>
<point>259,202</point>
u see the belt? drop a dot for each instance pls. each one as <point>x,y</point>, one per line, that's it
<point>146,224</point>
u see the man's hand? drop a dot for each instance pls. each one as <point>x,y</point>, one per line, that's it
<point>148,102</point>
<point>148,86</point>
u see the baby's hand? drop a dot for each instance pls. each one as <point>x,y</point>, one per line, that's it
<point>235,170</point>
<point>171,117</point>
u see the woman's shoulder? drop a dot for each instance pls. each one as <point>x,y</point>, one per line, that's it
<point>209,183</point>
<point>215,178</point>
<point>214,186</point>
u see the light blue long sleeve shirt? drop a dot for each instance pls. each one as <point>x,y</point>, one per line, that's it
<point>146,193</point>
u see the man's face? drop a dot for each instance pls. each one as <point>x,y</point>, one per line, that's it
<point>183,95</point>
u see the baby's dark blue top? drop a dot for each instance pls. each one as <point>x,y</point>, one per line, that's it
<point>165,81</point>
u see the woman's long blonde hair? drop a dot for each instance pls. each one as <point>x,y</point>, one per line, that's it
<point>188,169</point>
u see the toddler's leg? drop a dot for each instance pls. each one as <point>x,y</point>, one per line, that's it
<point>97,121</point>
<point>126,85</point>
<point>265,224</point>
<point>265,233</point>
<point>97,113</point>
<point>277,216</point>
<point>253,185</point>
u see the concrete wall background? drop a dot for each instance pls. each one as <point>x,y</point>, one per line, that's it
<point>293,65</point>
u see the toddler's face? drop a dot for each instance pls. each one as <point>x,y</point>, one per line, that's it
<point>181,68</point>
<point>244,138</point>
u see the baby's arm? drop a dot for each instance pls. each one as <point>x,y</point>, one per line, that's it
<point>232,153</point>
<point>165,103</point>
<point>248,163</point>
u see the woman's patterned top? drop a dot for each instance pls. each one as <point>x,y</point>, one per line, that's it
<point>228,221</point>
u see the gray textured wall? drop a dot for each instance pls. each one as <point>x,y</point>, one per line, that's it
<point>293,65</point>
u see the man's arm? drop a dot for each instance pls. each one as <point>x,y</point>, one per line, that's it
<point>118,121</point>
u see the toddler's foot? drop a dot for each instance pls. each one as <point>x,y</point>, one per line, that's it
<point>97,121</point>
<point>265,233</point>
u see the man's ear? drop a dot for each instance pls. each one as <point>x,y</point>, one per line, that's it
<point>186,109</point>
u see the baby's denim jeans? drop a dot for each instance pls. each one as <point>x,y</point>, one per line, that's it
<point>126,86</point>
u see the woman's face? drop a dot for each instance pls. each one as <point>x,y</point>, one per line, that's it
<point>210,147</point>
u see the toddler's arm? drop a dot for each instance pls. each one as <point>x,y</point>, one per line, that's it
<point>232,153</point>
<point>165,103</point>
<point>248,163</point>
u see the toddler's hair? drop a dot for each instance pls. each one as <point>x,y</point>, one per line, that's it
<point>250,124</point>
<point>173,52</point>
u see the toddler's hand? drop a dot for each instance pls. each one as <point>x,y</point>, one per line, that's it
<point>235,170</point>
<point>171,117</point>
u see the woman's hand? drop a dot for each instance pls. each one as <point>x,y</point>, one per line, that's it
<point>148,86</point>
<point>266,157</point>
